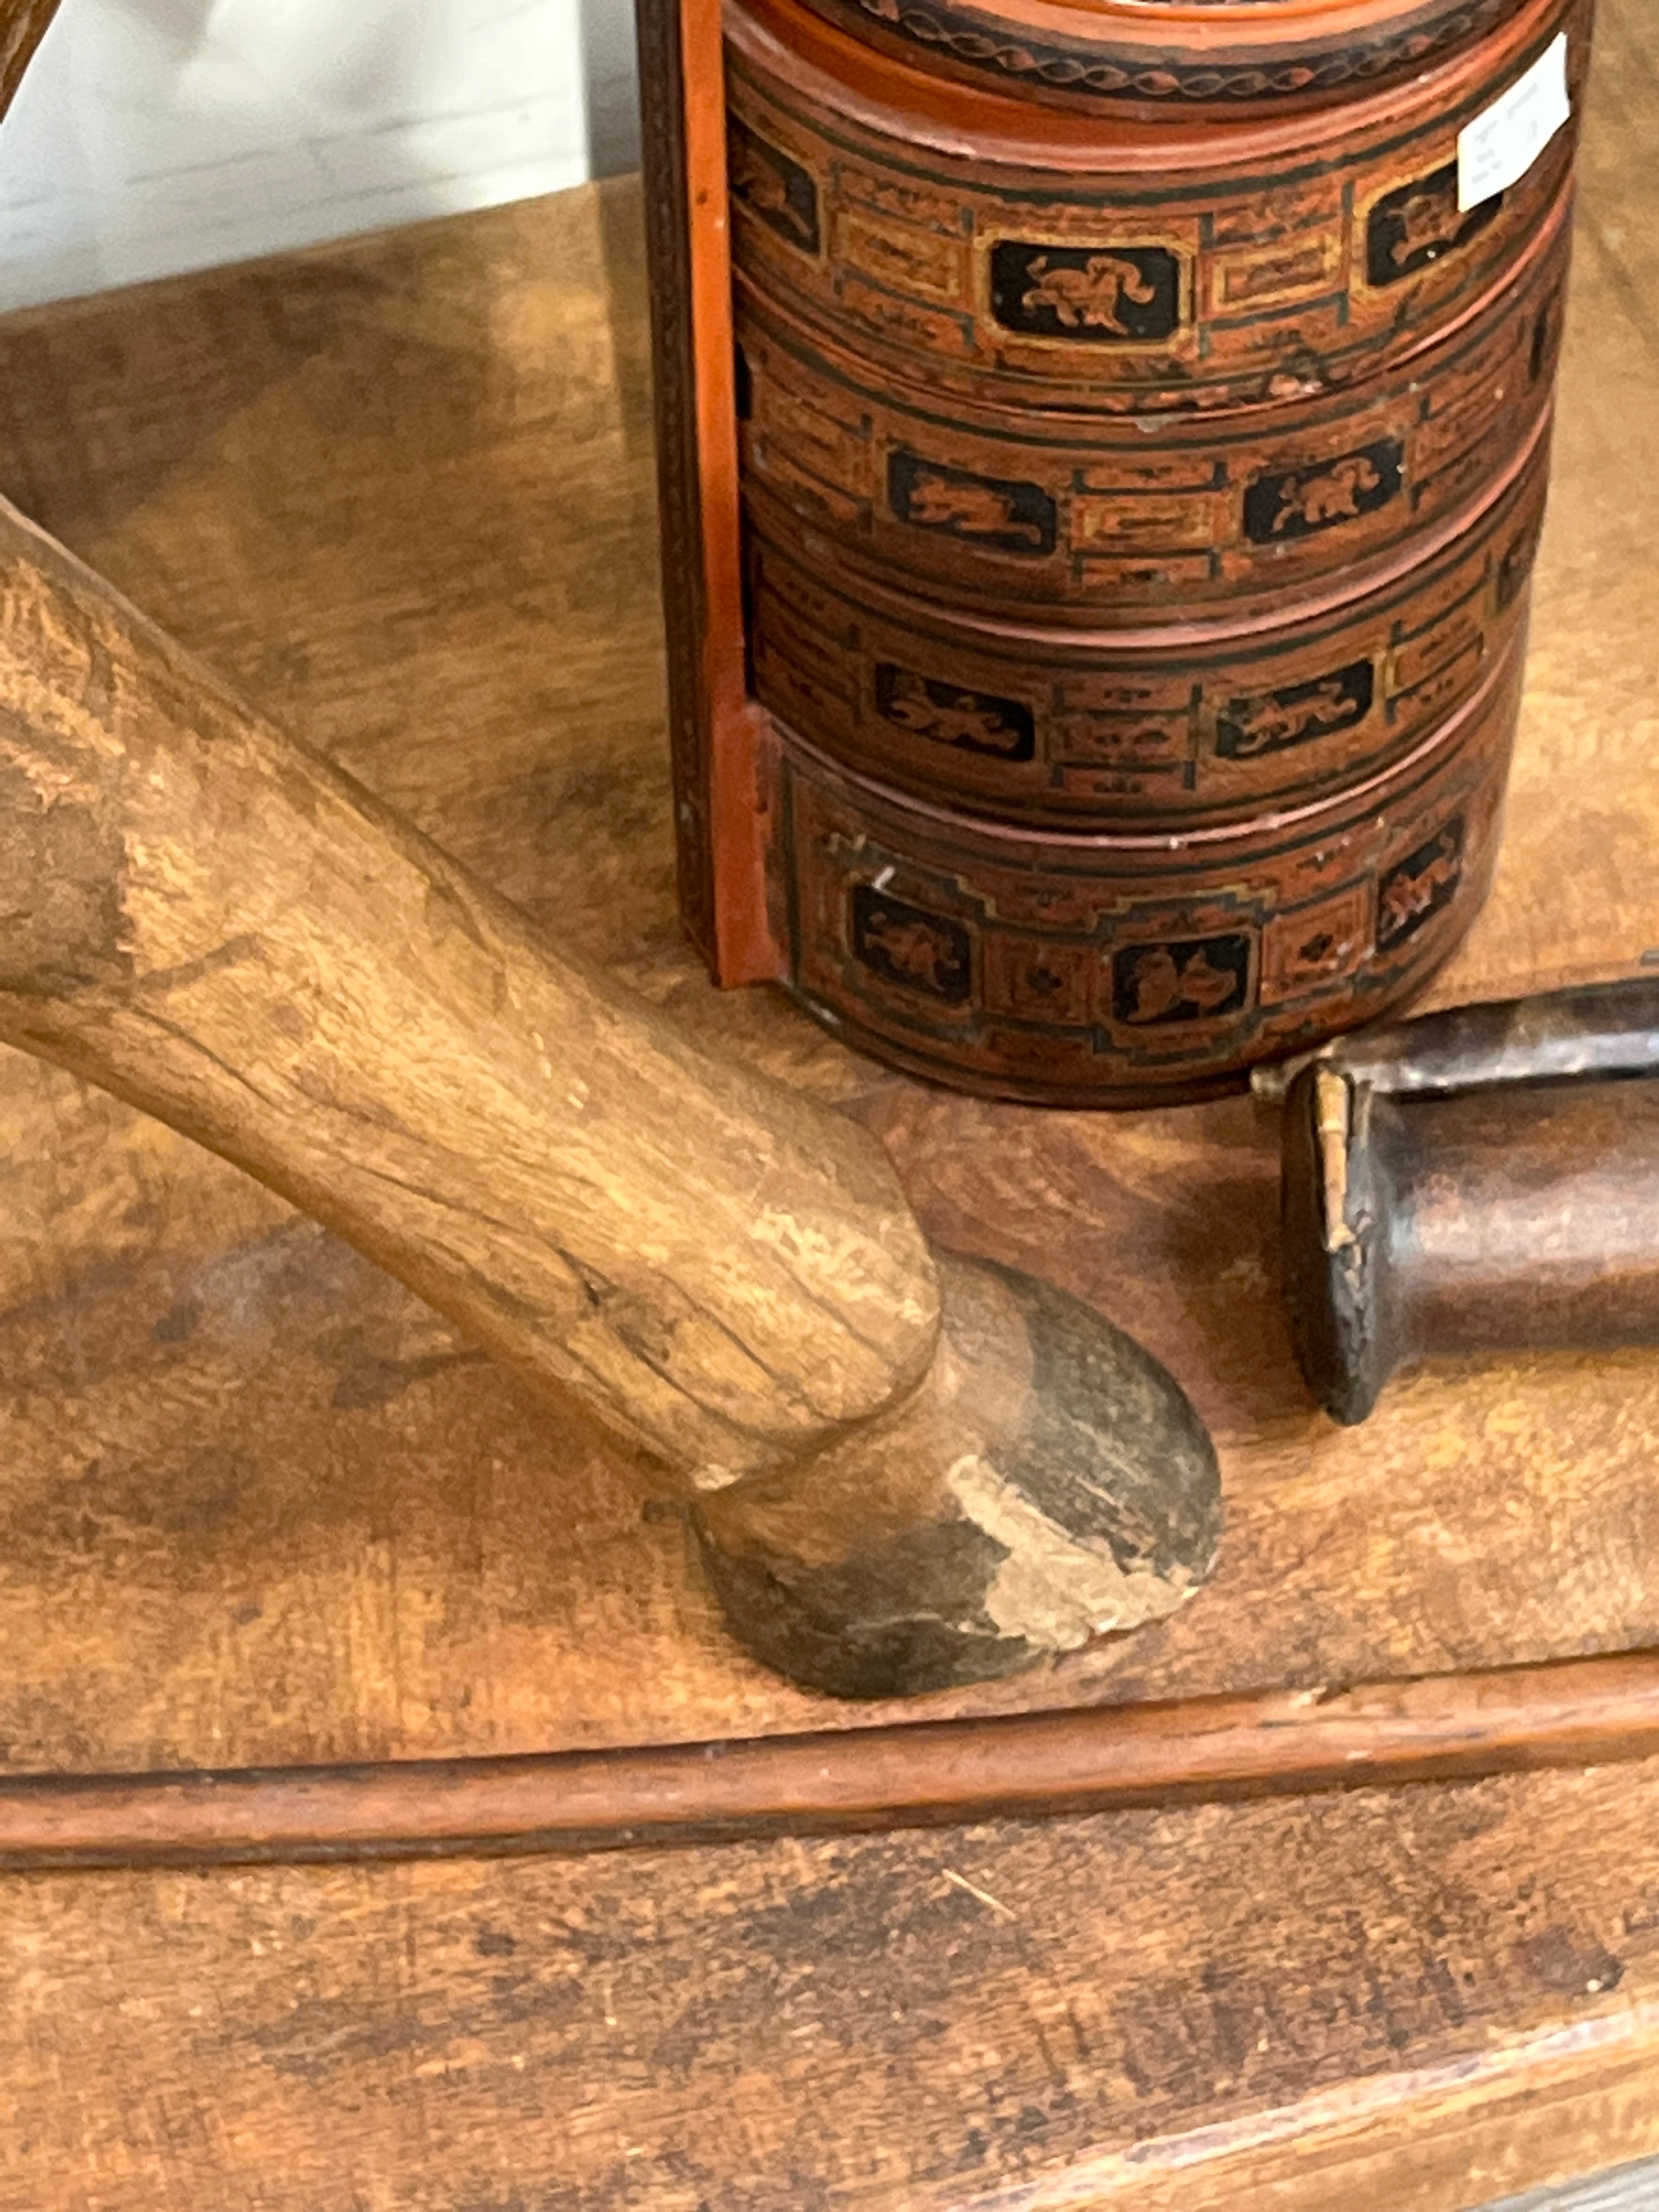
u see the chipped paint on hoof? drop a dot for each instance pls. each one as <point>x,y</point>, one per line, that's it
<point>1048,1483</point>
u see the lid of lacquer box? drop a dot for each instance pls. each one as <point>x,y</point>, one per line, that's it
<point>1177,55</point>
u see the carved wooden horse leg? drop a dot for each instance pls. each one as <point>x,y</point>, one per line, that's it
<point>920,1471</point>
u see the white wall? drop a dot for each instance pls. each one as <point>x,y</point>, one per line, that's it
<point>152,136</point>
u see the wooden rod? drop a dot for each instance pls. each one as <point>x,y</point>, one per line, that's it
<point>1562,1713</point>
<point>1480,1179</point>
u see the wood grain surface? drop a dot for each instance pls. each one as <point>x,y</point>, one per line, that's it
<point>259,1506</point>
<point>269,1533</point>
<point>216,925</point>
<point>1428,1998</point>
<point>940,1472</point>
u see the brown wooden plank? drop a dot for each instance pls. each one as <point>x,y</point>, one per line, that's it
<point>309,1558</point>
<point>1432,1996</point>
<point>256,1503</point>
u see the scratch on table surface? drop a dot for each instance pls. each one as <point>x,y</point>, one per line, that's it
<point>983,1895</point>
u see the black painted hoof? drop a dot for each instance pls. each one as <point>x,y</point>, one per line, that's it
<point>1048,1483</point>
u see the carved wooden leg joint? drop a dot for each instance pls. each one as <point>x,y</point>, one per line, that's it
<point>919,1474</point>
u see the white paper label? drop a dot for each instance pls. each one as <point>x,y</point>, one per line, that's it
<point>1498,149</point>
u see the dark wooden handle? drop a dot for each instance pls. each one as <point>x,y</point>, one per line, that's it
<point>1610,1029</point>
<point>1525,1219</point>
<point>1487,1179</point>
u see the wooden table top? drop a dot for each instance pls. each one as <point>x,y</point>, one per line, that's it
<point>259,1506</point>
